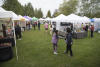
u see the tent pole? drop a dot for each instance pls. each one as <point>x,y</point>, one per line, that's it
<point>15,40</point>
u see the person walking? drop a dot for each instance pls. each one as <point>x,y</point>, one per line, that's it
<point>46,26</point>
<point>18,32</point>
<point>34,25</point>
<point>92,30</point>
<point>69,42</point>
<point>38,25</point>
<point>55,41</point>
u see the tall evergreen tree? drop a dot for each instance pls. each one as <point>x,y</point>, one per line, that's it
<point>40,14</point>
<point>29,10</point>
<point>36,12</point>
<point>48,14</point>
<point>56,13</point>
<point>13,5</point>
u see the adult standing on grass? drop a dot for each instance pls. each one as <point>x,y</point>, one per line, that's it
<point>34,25</point>
<point>38,25</point>
<point>46,26</point>
<point>92,30</point>
<point>69,42</point>
<point>18,32</point>
<point>55,41</point>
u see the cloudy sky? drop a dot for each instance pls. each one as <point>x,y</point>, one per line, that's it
<point>45,5</point>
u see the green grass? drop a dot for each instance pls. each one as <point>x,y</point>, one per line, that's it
<point>35,50</point>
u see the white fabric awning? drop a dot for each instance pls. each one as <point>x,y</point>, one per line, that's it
<point>7,14</point>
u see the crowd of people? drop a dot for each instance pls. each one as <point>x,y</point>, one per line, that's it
<point>54,34</point>
<point>87,28</point>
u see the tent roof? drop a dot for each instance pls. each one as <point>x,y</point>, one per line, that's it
<point>71,18</point>
<point>61,17</point>
<point>7,14</point>
<point>96,19</point>
<point>1,9</point>
<point>34,19</point>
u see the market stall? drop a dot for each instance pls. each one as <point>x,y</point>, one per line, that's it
<point>7,34</point>
<point>76,23</point>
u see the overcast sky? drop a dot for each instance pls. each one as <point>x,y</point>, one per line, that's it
<point>45,5</point>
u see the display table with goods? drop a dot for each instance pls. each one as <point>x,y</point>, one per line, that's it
<point>7,34</point>
<point>62,34</point>
<point>79,35</point>
<point>6,52</point>
<point>8,40</point>
<point>6,43</point>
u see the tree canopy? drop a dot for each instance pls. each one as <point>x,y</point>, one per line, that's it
<point>28,10</point>
<point>90,8</point>
<point>48,14</point>
<point>68,7</point>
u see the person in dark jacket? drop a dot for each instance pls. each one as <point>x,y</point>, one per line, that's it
<point>69,42</point>
<point>39,25</point>
<point>4,30</point>
<point>34,25</point>
<point>92,30</point>
<point>86,28</point>
<point>18,32</point>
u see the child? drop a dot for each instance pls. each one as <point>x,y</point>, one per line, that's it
<point>55,41</point>
<point>46,26</point>
<point>69,42</point>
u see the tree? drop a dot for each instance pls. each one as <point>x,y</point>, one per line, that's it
<point>56,13</point>
<point>40,14</point>
<point>48,14</point>
<point>68,7</point>
<point>90,8</point>
<point>13,5</point>
<point>29,10</point>
<point>36,12</point>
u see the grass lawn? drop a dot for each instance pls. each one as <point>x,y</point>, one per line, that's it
<point>35,50</point>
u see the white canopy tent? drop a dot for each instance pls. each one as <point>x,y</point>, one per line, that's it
<point>21,17</point>
<point>72,18</point>
<point>96,24</point>
<point>59,18</point>
<point>9,15</point>
<point>77,19</point>
<point>47,19</point>
<point>41,19</point>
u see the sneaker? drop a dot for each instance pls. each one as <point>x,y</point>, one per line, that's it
<point>19,39</point>
<point>70,55</point>
<point>65,52</point>
<point>55,53</point>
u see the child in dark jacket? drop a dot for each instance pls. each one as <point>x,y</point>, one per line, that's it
<point>69,42</point>
<point>55,41</point>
